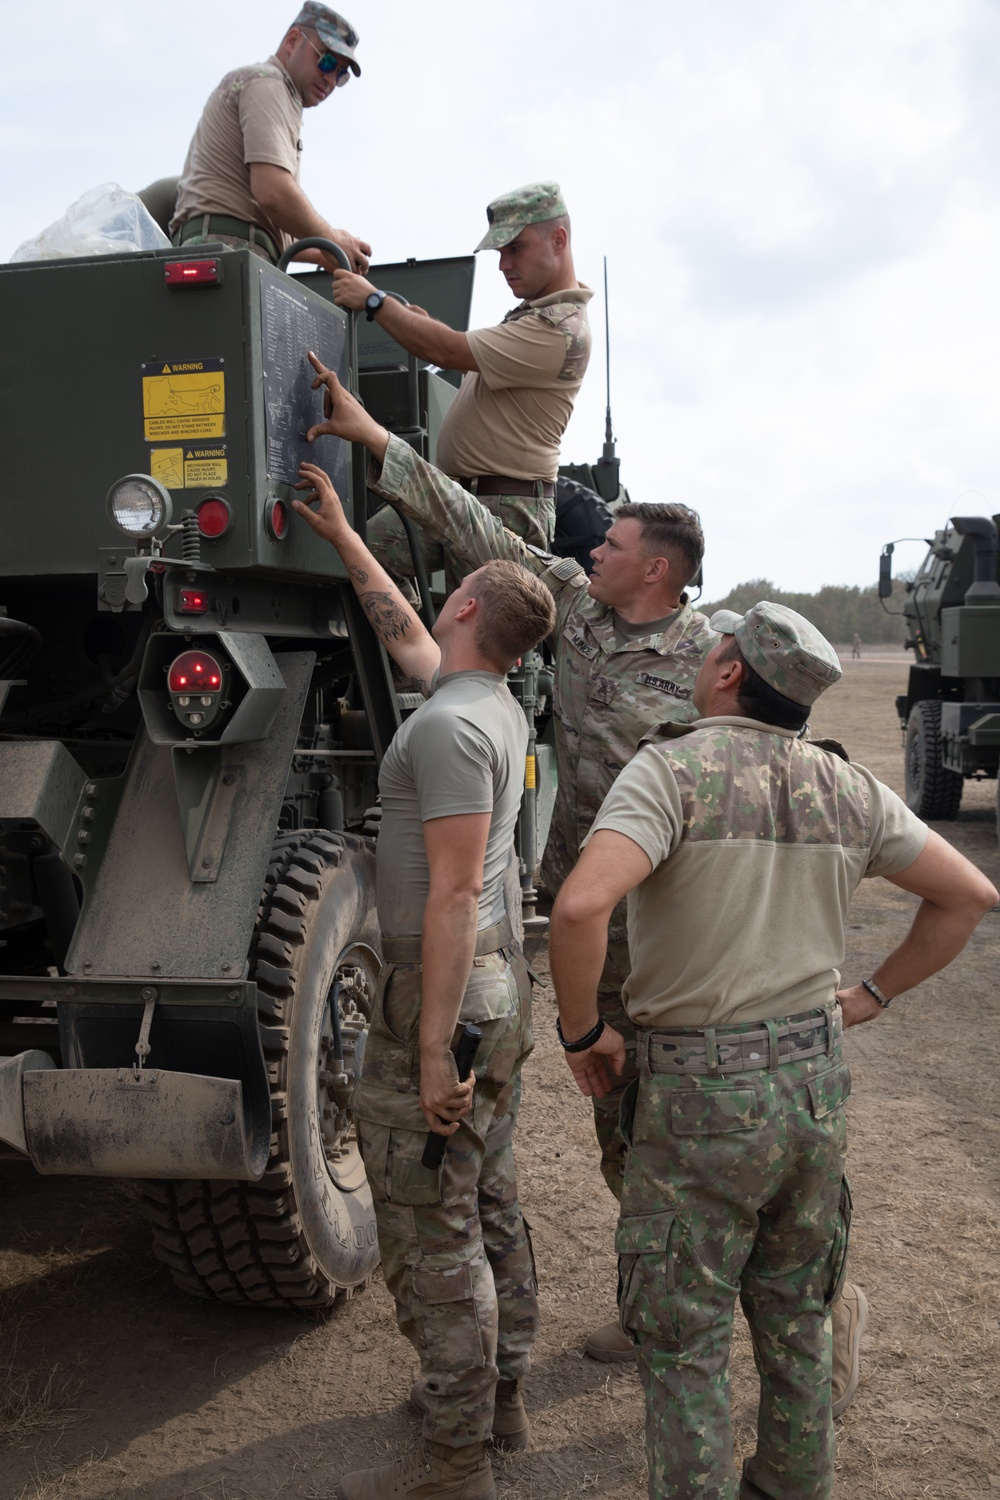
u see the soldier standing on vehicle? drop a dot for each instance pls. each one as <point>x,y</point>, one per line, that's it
<point>739,846</point>
<point>455,1254</point>
<point>628,647</point>
<point>500,438</point>
<point>240,182</point>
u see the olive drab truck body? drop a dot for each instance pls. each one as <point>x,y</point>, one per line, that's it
<point>192,713</point>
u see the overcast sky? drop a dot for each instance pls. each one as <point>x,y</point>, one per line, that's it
<point>798,200</point>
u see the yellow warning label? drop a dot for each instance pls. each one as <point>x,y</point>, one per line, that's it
<point>201,475</point>
<point>198,467</point>
<point>167,465</point>
<point>184,400</point>
<point>530,780</point>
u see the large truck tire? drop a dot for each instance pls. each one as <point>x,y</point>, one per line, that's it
<point>305,1233</point>
<point>932,791</point>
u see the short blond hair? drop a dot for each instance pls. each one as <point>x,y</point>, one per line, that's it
<point>516,612</point>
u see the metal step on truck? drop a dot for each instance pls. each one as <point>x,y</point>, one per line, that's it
<point>193,709</point>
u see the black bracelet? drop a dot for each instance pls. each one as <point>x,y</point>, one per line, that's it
<point>582,1042</point>
<point>876,993</point>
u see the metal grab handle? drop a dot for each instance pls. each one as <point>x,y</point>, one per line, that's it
<point>412,537</point>
<point>315,242</point>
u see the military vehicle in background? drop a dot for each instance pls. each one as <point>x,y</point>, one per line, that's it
<point>193,709</point>
<point>950,712</point>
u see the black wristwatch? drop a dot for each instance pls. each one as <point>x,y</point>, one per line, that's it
<point>373,303</point>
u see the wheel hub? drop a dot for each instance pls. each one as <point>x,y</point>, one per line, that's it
<point>344,1030</point>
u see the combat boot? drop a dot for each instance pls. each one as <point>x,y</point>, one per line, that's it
<point>850,1318</point>
<point>610,1344</point>
<point>510,1420</point>
<point>431,1472</point>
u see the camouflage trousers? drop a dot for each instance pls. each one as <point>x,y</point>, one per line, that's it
<point>734,1188</point>
<point>456,1254</point>
<point>533,518</point>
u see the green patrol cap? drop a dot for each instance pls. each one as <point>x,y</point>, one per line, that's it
<point>532,204</point>
<point>333,31</point>
<point>783,648</point>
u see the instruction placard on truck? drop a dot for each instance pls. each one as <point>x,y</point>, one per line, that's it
<point>183,399</point>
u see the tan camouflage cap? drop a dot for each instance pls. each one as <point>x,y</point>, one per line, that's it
<point>783,648</point>
<point>532,204</point>
<point>333,31</point>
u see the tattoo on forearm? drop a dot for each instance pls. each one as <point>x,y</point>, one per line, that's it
<point>422,686</point>
<point>387,616</point>
<point>358,574</point>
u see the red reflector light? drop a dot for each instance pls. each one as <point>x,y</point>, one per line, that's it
<point>193,602</point>
<point>191,272</point>
<point>279,519</point>
<point>214,517</point>
<point>194,672</point>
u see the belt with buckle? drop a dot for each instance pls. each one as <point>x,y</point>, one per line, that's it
<point>761,1044</point>
<point>407,950</point>
<point>207,224</point>
<point>504,484</point>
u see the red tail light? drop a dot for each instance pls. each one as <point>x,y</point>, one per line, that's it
<point>191,273</point>
<point>194,672</point>
<point>214,517</point>
<point>276,519</point>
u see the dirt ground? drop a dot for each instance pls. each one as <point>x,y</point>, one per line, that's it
<point>115,1384</point>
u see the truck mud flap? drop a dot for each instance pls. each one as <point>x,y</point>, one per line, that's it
<point>116,1122</point>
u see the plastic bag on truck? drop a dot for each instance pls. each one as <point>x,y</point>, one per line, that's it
<point>105,221</point>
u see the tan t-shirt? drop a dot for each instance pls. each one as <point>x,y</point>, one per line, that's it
<point>255,115</point>
<point>758,840</point>
<point>510,415</point>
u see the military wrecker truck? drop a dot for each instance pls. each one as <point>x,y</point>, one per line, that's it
<point>192,713</point>
<point>950,712</point>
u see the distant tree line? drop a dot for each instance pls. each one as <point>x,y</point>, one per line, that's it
<point>837,610</point>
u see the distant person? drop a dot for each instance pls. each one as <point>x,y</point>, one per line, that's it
<point>739,846</point>
<point>500,437</point>
<point>856,647</point>
<point>240,182</point>
<point>455,1253</point>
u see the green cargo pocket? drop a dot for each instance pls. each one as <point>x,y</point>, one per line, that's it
<point>837,1268</point>
<point>407,1179</point>
<point>646,1274</point>
<point>829,1091</point>
<point>444,1308</point>
<point>713,1111</point>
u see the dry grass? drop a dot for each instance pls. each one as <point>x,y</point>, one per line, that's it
<point>34,1402</point>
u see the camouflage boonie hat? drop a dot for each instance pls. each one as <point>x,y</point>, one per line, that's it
<point>333,31</point>
<point>532,204</point>
<point>783,648</point>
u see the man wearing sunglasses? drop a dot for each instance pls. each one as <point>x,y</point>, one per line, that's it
<point>240,182</point>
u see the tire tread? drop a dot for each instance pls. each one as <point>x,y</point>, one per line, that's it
<point>245,1241</point>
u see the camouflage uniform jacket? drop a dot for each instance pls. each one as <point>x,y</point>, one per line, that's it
<point>608,698</point>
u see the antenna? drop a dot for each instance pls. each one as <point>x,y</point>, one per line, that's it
<point>609,441</point>
<point>606,469</point>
